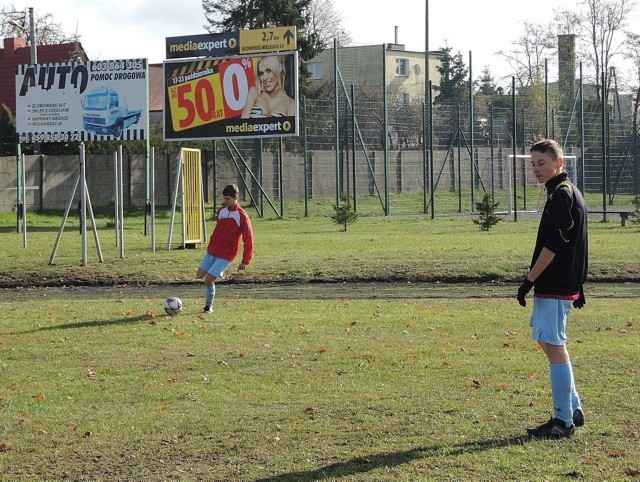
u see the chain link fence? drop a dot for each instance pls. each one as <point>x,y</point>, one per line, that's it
<point>368,143</point>
<point>389,153</point>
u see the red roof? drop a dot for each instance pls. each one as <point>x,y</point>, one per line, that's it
<point>16,52</point>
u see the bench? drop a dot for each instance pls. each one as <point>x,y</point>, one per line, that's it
<point>624,215</point>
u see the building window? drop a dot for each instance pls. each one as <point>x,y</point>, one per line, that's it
<point>405,97</point>
<point>402,67</point>
<point>316,69</point>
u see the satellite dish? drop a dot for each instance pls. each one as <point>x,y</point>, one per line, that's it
<point>417,69</point>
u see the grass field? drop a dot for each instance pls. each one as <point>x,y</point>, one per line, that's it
<point>99,387</point>
<point>312,249</point>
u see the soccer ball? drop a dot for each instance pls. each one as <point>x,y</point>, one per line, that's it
<point>172,305</point>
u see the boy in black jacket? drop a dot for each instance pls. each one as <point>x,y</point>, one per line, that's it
<point>557,274</point>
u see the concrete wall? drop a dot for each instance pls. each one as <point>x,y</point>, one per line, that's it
<point>50,179</point>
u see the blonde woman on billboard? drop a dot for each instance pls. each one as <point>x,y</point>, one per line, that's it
<point>269,98</point>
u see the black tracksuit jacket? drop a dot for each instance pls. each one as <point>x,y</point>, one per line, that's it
<point>563,230</point>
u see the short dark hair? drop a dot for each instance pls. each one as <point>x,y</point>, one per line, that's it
<point>548,146</point>
<point>231,190</point>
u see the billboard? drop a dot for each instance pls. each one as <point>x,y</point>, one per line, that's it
<point>238,42</point>
<point>235,97</point>
<point>82,101</point>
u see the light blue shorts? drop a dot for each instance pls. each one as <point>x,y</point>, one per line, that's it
<point>214,266</point>
<point>549,320</point>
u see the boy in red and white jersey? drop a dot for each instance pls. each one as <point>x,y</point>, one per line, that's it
<point>224,244</point>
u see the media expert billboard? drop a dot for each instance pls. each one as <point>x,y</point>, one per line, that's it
<point>82,101</point>
<point>246,96</point>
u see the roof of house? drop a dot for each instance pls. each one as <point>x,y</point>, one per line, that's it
<point>17,52</point>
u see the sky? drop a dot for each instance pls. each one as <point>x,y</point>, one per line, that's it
<point>121,29</point>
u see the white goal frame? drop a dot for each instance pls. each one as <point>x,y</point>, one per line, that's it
<point>570,165</point>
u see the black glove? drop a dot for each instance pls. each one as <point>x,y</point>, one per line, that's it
<point>580,302</point>
<point>525,287</point>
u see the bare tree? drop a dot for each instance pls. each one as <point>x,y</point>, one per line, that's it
<point>531,48</point>
<point>632,52</point>
<point>15,23</point>
<point>326,21</point>
<point>603,22</point>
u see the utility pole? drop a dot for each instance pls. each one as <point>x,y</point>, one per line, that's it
<point>32,38</point>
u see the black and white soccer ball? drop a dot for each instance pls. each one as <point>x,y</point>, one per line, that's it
<point>172,305</point>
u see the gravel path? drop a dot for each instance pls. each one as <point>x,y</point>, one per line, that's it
<point>346,290</point>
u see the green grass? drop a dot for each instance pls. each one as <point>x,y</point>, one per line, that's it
<point>302,390</point>
<point>293,249</point>
<point>97,387</point>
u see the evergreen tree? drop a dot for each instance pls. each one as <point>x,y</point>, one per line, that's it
<point>487,85</point>
<point>635,216</point>
<point>453,79</point>
<point>8,140</point>
<point>228,15</point>
<point>344,213</point>
<point>487,213</point>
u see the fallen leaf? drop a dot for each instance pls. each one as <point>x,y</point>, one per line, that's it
<point>616,454</point>
<point>73,429</point>
<point>633,472</point>
<point>162,407</point>
<point>4,447</point>
<point>629,325</point>
<point>322,350</point>
<point>477,383</point>
<point>529,375</point>
<point>179,333</point>
<point>39,397</point>
<point>87,434</point>
<point>342,372</point>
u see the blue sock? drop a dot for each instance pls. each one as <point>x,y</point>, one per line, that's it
<point>209,294</point>
<point>575,398</point>
<point>561,390</point>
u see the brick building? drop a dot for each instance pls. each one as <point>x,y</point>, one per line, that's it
<point>16,51</point>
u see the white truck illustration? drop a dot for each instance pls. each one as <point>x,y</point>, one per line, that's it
<point>103,112</point>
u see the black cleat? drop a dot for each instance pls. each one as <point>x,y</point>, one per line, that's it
<point>578,418</point>
<point>554,428</point>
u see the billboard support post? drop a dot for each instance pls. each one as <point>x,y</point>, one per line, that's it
<point>85,204</point>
